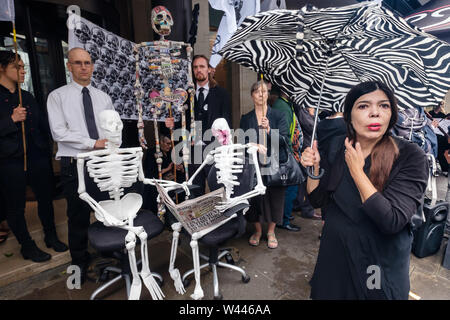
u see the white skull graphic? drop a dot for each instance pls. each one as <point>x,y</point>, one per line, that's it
<point>112,126</point>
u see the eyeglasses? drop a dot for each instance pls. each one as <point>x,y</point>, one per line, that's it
<point>81,63</point>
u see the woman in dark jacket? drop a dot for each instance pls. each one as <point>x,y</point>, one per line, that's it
<point>269,207</point>
<point>13,177</point>
<point>373,185</point>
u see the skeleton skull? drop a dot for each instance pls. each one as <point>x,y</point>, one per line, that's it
<point>112,42</point>
<point>124,77</point>
<point>127,93</point>
<point>121,60</point>
<point>161,20</point>
<point>93,50</point>
<point>83,33</point>
<point>98,36</point>
<point>221,131</point>
<point>112,126</point>
<point>107,55</point>
<point>126,47</point>
<point>111,75</point>
<point>99,71</point>
<point>114,92</point>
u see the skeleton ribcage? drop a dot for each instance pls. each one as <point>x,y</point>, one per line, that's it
<point>114,172</point>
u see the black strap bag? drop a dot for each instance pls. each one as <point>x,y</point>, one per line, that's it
<point>279,174</point>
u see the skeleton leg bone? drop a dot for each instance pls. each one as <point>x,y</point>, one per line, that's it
<point>136,285</point>
<point>146,275</point>
<point>175,273</point>
<point>198,291</point>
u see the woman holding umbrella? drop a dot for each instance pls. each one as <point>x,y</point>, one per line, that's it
<point>372,186</point>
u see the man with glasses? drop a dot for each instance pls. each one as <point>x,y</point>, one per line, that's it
<point>73,113</point>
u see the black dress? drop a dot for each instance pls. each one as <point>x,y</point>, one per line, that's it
<point>359,236</point>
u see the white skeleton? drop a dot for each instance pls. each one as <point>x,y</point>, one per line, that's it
<point>229,161</point>
<point>114,169</point>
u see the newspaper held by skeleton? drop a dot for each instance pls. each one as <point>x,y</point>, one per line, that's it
<point>196,214</point>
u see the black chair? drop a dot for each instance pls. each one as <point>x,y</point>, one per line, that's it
<point>110,242</point>
<point>232,229</point>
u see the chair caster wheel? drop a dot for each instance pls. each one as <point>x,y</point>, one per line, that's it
<point>219,297</point>
<point>245,279</point>
<point>104,276</point>
<point>229,258</point>
<point>186,283</point>
<point>159,282</point>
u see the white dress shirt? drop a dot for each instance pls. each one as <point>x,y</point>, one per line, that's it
<point>205,92</point>
<point>67,121</point>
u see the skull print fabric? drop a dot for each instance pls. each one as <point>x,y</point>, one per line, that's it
<point>115,67</point>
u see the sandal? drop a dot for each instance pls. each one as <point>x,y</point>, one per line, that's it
<point>254,239</point>
<point>272,242</point>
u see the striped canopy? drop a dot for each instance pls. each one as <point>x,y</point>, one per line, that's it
<point>298,50</point>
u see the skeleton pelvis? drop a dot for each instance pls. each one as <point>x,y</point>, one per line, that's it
<point>125,208</point>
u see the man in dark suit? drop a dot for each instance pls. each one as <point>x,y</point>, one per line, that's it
<point>211,102</point>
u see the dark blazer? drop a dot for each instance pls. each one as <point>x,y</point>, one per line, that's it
<point>37,130</point>
<point>219,106</point>
<point>277,120</point>
<point>377,232</point>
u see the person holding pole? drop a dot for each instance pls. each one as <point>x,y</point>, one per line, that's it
<point>38,174</point>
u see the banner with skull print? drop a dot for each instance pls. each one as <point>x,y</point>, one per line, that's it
<point>115,69</point>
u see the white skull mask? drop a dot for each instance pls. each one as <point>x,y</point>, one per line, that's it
<point>112,126</point>
<point>161,20</point>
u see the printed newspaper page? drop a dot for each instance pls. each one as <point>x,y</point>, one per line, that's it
<point>195,214</point>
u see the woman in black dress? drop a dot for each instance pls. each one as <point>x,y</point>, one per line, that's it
<point>269,207</point>
<point>372,187</point>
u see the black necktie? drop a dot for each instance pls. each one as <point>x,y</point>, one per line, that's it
<point>89,114</point>
<point>201,97</point>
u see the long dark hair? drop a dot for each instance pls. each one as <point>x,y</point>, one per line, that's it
<point>7,57</point>
<point>385,151</point>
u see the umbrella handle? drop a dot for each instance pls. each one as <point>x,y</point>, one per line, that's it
<point>310,172</point>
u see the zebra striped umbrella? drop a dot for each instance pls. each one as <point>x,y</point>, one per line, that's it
<point>337,48</point>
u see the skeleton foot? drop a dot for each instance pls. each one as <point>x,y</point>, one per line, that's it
<point>176,277</point>
<point>152,286</point>
<point>198,293</point>
<point>135,290</point>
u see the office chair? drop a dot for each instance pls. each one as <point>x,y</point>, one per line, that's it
<point>109,241</point>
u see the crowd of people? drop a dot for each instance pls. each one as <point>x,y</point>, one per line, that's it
<point>373,181</point>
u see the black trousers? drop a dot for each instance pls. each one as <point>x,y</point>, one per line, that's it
<point>78,211</point>
<point>13,182</point>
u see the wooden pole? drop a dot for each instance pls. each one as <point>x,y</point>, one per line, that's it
<point>20,98</point>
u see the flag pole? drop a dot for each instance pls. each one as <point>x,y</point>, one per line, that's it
<point>20,96</point>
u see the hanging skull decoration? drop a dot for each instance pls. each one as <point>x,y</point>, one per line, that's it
<point>107,55</point>
<point>83,33</point>
<point>111,75</point>
<point>99,71</point>
<point>112,42</point>
<point>162,21</point>
<point>126,47</point>
<point>93,50</point>
<point>98,36</point>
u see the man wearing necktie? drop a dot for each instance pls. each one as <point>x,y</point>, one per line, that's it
<point>72,111</point>
<point>211,102</point>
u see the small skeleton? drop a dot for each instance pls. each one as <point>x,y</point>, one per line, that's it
<point>114,169</point>
<point>228,160</point>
